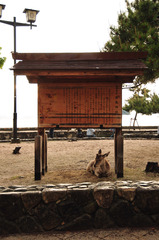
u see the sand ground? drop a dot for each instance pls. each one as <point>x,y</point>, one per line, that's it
<point>96,234</point>
<point>67,161</point>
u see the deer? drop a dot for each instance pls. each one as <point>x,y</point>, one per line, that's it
<point>100,166</point>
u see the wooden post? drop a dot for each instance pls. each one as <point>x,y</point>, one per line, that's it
<point>38,157</point>
<point>43,152</point>
<point>46,152</point>
<point>119,152</point>
<point>115,151</point>
<point>42,133</point>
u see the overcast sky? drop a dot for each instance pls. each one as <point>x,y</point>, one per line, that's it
<point>62,26</point>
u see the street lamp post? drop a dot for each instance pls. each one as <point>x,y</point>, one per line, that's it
<point>31,18</point>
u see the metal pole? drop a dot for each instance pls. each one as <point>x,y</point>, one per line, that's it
<point>15,24</point>
<point>15,139</point>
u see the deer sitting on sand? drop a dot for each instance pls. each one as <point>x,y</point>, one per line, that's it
<point>100,166</point>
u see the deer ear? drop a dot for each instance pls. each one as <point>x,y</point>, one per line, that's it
<point>106,154</point>
<point>100,151</point>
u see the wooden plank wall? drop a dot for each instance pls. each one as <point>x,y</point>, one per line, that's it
<point>79,105</point>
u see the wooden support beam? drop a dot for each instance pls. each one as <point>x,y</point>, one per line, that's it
<point>118,152</point>
<point>75,73</point>
<point>115,151</point>
<point>46,153</point>
<point>98,56</point>
<point>38,157</point>
<point>43,152</point>
<point>41,132</point>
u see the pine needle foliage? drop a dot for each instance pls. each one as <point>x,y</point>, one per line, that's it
<point>2,60</point>
<point>143,102</point>
<point>138,30</point>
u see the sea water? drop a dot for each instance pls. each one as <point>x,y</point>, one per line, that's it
<point>127,120</point>
<point>142,120</point>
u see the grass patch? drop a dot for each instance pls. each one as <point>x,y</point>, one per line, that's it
<point>16,177</point>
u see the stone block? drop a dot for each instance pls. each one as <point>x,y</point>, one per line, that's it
<point>31,199</point>
<point>91,207</point>
<point>104,196</point>
<point>122,212</point>
<point>141,220</point>
<point>147,200</point>
<point>47,216</point>
<point>127,193</point>
<point>11,205</point>
<point>102,219</point>
<point>81,196</point>
<point>53,194</point>
<point>28,224</point>
<point>8,227</point>
<point>80,223</point>
<point>69,210</point>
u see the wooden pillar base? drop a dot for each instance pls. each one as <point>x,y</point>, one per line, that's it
<point>37,176</point>
<point>120,175</point>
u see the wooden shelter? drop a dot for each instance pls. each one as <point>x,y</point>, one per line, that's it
<point>79,90</point>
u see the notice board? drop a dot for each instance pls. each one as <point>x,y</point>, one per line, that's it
<point>79,105</point>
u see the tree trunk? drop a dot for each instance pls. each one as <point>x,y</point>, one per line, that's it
<point>135,118</point>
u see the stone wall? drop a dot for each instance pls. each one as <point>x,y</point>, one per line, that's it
<point>79,206</point>
<point>65,134</point>
<point>5,136</point>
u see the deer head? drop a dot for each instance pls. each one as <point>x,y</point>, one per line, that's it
<point>100,157</point>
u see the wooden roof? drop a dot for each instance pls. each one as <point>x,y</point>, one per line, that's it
<point>111,65</point>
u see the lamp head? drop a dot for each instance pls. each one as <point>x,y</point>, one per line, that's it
<point>30,15</point>
<point>1,8</point>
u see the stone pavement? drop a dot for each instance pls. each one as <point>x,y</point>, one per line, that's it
<point>108,234</point>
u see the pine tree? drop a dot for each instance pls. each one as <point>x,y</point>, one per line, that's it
<point>138,30</point>
<point>142,102</point>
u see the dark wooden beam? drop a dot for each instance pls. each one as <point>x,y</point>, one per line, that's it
<point>75,73</point>
<point>79,56</point>
<point>44,149</point>
<point>46,168</point>
<point>79,79</point>
<point>38,157</point>
<point>118,152</point>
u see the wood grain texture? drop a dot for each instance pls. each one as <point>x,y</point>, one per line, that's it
<point>79,56</point>
<point>79,105</point>
<point>81,65</point>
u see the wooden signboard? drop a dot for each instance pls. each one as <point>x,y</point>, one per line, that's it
<point>89,105</point>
